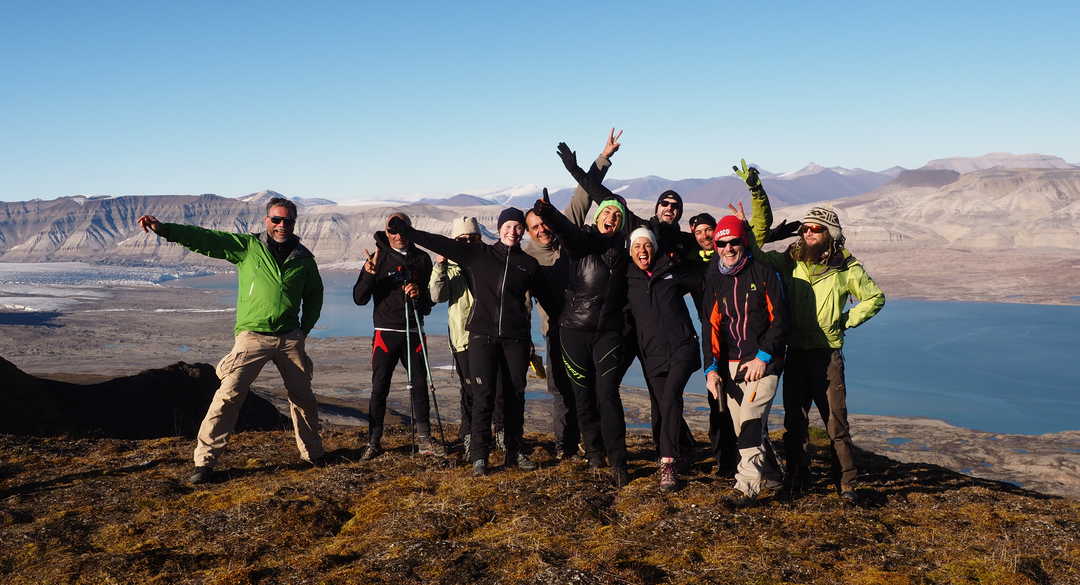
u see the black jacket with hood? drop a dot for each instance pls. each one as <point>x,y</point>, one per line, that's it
<point>665,332</point>
<point>500,279</point>
<point>596,294</point>
<point>392,271</point>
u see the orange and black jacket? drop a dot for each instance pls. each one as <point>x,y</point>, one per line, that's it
<point>744,315</point>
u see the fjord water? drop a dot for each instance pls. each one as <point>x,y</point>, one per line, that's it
<point>1004,368</point>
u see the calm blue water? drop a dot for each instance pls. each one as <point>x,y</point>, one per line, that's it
<point>1005,368</point>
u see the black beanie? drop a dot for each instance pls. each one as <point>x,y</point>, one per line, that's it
<point>702,218</point>
<point>669,194</point>
<point>510,214</point>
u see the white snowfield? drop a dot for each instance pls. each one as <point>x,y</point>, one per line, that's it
<point>58,286</point>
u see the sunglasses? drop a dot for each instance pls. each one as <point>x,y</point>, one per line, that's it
<point>813,227</point>
<point>276,220</point>
<point>733,242</point>
<point>668,203</point>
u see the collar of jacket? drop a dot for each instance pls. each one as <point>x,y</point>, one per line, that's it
<point>542,253</point>
<point>300,251</point>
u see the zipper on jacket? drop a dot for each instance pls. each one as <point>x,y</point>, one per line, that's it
<point>502,289</point>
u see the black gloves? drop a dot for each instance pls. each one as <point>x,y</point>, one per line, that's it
<point>569,157</point>
<point>396,225</point>
<point>543,204</point>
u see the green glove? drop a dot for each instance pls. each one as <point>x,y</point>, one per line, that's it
<point>750,176</point>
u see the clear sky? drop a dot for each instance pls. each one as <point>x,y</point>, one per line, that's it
<point>377,99</point>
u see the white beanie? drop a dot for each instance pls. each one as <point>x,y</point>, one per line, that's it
<point>464,226</point>
<point>643,232</point>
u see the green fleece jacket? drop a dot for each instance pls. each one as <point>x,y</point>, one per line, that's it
<point>268,296</point>
<point>817,293</point>
<point>449,284</point>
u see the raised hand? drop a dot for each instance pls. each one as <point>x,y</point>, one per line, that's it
<point>738,212</point>
<point>372,260</point>
<point>542,204</point>
<point>612,145</point>
<point>569,157</point>
<point>149,222</point>
<point>748,174</point>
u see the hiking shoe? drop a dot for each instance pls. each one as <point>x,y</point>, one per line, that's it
<point>849,497</point>
<point>668,481</point>
<point>319,461</point>
<point>370,452</point>
<point>622,477</point>
<point>426,446</point>
<point>202,474</point>
<point>523,462</point>
<point>596,462</point>
<point>742,501</point>
<point>500,441</point>
<point>479,468</point>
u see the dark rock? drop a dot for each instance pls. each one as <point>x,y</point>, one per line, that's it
<point>169,401</point>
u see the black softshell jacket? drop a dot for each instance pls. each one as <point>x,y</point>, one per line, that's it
<point>665,333</point>
<point>596,295</point>
<point>500,279</point>
<point>384,286</point>
<point>743,313</point>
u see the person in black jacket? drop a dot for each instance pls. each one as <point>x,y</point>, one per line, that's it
<point>666,338</point>
<point>396,276</point>
<point>499,326</point>
<point>591,325</point>
<point>744,335</point>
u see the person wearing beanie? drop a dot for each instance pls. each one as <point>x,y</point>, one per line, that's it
<point>591,325</point>
<point>545,246</point>
<point>819,275</point>
<point>744,331</point>
<point>499,327</point>
<point>396,279</point>
<point>450,284</point>
<point>667,343</point>
<point>701,225</point>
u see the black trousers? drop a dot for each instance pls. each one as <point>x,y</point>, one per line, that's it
<point>669,429</point>
<point>387,350</point>
<point>461,364</point>
<point>686,438</point>
<point>490,358</point>
<point>722,439</point>
<point>564,415</point>
<point>592,361</point>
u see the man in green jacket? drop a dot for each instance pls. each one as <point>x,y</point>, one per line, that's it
<point>276,277</point>
<point>819,275</point>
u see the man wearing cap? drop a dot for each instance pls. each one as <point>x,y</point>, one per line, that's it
<point>819,275</point>
<point>555,267</point>
<point>499,326</point>
<point>276,277</point>
<point>396,277</point>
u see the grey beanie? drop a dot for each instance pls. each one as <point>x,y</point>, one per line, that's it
<point>827,217</point>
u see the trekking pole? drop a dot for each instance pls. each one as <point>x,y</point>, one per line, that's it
<point>427,367</point>
<point>408,384</point>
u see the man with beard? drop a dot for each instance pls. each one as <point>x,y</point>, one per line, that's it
<point>276,276</point>
<point>396,277</point>
<point>819,275</point>
<point>555,268</point>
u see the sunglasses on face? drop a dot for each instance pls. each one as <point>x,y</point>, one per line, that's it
<point>813,227</point>
<point>276,220</point>
<point>668,203</point>
<point>734,242</point>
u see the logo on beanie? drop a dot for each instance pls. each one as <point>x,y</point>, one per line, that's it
<point>722,233</point>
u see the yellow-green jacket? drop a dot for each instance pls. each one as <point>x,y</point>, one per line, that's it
<point>818,293</point>
<point>450,284</point>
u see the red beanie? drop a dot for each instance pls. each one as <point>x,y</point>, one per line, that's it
<point>729,226</point>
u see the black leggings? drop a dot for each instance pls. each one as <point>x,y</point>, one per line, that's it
<point>492,358</point>
<point>670,433</point>
<point>387,349</point>
<point>563,410</point>
<point>592,361</point>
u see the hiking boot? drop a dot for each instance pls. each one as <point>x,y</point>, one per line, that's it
<point>849,497</point>
<point>523,461</point>
<point>742,501</point>
<point>500,441</point>
<point>426,446</point>
<point>370,452</point>
<point>203,474</point>
<point>668,481</point>
<point>622,477</point>
<point>479,468</point>
<point>319,461</point>
<point>596,462</point>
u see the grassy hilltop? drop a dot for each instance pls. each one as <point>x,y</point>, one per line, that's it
<point>86,510</point>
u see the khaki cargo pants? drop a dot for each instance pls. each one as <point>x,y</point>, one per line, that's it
<point>748,404</point>
<point>238,370</point>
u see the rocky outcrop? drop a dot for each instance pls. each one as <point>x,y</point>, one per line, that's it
<point>163,402</point>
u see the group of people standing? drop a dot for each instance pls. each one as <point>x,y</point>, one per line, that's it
<point>611,288</point>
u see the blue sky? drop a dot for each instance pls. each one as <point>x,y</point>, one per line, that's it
<point>367,100</point>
